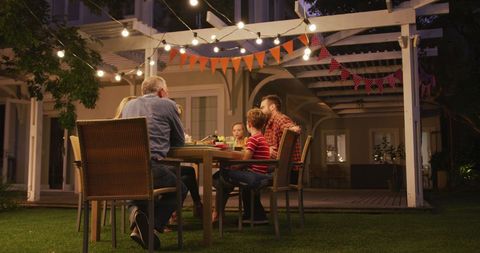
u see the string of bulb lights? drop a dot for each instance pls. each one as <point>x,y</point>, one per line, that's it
<point>182,49</point>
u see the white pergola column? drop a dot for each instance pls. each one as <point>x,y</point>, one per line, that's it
<point>150,70</point>
<point>35,150</point>
<point>411,104</point>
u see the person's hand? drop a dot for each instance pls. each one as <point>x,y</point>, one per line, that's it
<point>273,153</point>
<point>296,129</point>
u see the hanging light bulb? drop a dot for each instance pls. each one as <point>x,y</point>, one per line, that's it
<point>195,39</point>
<point>182,50</point>
<point>100,73</point>
<point>118,77</point>
<point>216,49</point>
<point>276,41</point>
<point>259,39</point>
<point>151,62</point>
<point>242,50</point>
<point>61,53</point>
<point>307,51</point>
<point>193,2</point>
<point>139,72</point>
<point>311,27</point>
<point>166,46</point>
<point>125,32</point>
<point>240,25</point>
<point>306,57</point>
<point>213,37</point>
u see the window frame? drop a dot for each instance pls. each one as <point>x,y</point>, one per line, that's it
<point>395,139</point>
<point>335,132</point>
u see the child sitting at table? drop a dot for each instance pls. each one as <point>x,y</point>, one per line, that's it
<point>249,177</point>
<point>238,132</point>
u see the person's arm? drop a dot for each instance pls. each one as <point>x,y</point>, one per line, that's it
<point>177,135</point>
<point>247,155</point>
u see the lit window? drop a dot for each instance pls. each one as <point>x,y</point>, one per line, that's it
<point>336,148</point>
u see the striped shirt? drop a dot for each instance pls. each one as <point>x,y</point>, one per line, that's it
<point>260,149</point>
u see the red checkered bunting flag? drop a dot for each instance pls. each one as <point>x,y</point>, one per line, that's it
<point>399,75</point>
<point>334,65</point>
<point>391,80</point>
<point>368,85</point>
<point>315,41</point>
<point>323,54</point>
<point>379,83</point>
<point>345,74</point>
<point>356,80</point>
<point>172,55</point>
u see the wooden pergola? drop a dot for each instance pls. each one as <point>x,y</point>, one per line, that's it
<point>336,95</point>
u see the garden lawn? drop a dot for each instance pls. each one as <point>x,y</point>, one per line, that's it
<point>454,226</point>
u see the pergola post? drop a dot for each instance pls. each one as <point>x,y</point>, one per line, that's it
<point>411,104</point>
<point>35,150</point>
<point>150,70</point>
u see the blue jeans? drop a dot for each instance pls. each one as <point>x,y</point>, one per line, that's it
<point>248,180</point>
<point>165,204</point>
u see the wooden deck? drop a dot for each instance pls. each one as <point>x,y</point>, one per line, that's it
<point>315,200</point>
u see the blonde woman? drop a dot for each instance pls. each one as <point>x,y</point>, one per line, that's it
<point>238,132</point>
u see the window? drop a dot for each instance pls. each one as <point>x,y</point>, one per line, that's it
<point>382,139</point>
<point>202,113</point>
<point>335,147</point>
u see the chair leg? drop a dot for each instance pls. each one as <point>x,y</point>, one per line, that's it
<point>123,218</point>
<point>86,226</point>
<point>114,226</point>
<point>112,210</point>
<point>179,208</point>
<point>300,208</point>
<point>79,211</point>
<point>287,205</point>
<point>104,213</point>
<point>240,209</point>
<point>274,210</point>
<point>150,225</point>
<point>252,197</point>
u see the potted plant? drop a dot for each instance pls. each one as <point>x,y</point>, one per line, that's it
<point>386,153</point>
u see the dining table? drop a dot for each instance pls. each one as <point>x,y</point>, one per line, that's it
<point>206,155</point>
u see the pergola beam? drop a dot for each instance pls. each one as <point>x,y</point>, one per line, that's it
<point>352,92</point>
<point>334,84</point>
<point>360,20</point>
<point>386,37</point>
<point>367,110</point>
<point>361,105</point>
<point>387,98</point>
<point>361,70</point>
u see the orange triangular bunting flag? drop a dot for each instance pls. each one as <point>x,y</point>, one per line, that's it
<point>288,46</point>
<point>304,39</point>
<point>213,64</point>
<point>203,62</point>
<point>260,56</point>
<point>275,53</point>
<point>173,53</point>
<point>183,59</point>
<point>224,62</point>
<point>193,60</point>
<point>248,59</point>
<point>236,63</point>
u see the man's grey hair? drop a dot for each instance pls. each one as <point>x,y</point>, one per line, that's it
<point>153,84</point>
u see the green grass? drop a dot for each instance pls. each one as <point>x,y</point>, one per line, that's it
<point>453,227</point>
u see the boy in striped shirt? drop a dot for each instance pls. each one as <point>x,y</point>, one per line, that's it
<point>249,177</point>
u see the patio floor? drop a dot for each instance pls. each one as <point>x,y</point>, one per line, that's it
<point>315,200</point>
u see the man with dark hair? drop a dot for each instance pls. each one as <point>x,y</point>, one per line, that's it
<point>277,122</point>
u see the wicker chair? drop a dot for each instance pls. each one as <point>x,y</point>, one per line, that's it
<point>299,186</point>
<point>116,165</point>
<point>280,182</point>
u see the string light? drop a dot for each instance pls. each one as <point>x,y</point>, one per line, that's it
<point>276,41</point>
<point>125,32</point>
<point>182,50</point>
<point>61,53</point>
<point>166,46</point>
<point>306,57</point>
<point>242,50</point>
<point>195,39</point>
<point>259,39</point>
<point>216,49</point>
<point>307,51</point>
<point>100,73</point>
<point>193,2</point>
<point>311,27</point>
<point>118,77</point>
<point>240,25</point>
<point>213,37</point>
<point>139,72</point>
<point>151,62</point>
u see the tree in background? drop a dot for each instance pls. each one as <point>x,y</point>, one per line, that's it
<point>27,30</point>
